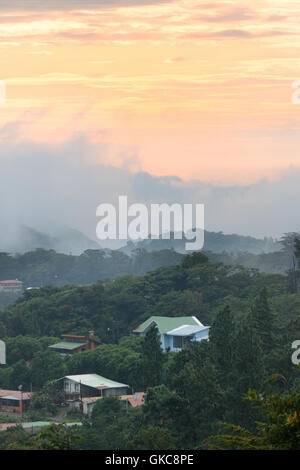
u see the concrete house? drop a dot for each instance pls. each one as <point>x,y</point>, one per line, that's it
<point>14,401</point>
<point>175,332</point>
<point>77,387</point>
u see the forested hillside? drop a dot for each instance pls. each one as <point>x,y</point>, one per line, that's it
<point>118,304</point>
<point>217,242</point>
<point>253,317</point>
<point>47,268</point>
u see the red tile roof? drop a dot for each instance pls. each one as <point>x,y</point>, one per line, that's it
<point>16,394</point>
<point>14,281</point>
<point>135,400</point>
<point>9,425</point>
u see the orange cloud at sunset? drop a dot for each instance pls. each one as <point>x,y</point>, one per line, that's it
<point>198,90</point>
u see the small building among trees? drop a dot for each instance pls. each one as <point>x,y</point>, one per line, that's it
<point>72,344</point>
<point>77,387</point>
<point>13,286</point>
<point>15,401</point>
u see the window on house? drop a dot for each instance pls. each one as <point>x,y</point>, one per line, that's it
<point>10,402</point>
<point>177,342</point>
<point>187,340</point>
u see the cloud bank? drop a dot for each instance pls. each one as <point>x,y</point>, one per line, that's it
<point>45,186</point>
<point>44,5</point>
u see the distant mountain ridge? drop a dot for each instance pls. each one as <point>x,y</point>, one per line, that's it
<point>216,242</point>
<point>71,241</point>
<point>66,240</point>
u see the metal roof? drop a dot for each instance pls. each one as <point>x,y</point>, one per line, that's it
<point>67,345</point>
<point>95,381</point>
<point>14,394</point>
<point>34,424</point>
<point>10,397</point>
<point>165,324</point>
<point>187,330</point>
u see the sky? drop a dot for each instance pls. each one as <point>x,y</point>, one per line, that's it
<point>184,100</point>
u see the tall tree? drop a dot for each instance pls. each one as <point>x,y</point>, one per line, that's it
<point>152,359</point>
<point>261,319</point>
<point>221,342</point>
<point>289,243</point>
<point>279,431</point>
<point>248,371</point>
<point>297,248</point>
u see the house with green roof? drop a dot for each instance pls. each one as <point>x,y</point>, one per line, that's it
<point>175,332</point>
<point>72,344</point>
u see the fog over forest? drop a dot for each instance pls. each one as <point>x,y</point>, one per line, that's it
<point>48,187</point>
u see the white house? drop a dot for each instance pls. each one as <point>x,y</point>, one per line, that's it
<point>175,332</point>
<point>2,353</point>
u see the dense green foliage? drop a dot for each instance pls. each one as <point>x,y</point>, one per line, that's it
<point>113,307</point>
<point>254,319</point>
<point>46,267</point>
<point>52,437</point>
<point>280,429</point>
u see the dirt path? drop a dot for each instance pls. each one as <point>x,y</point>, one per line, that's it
<point>62,413</point>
